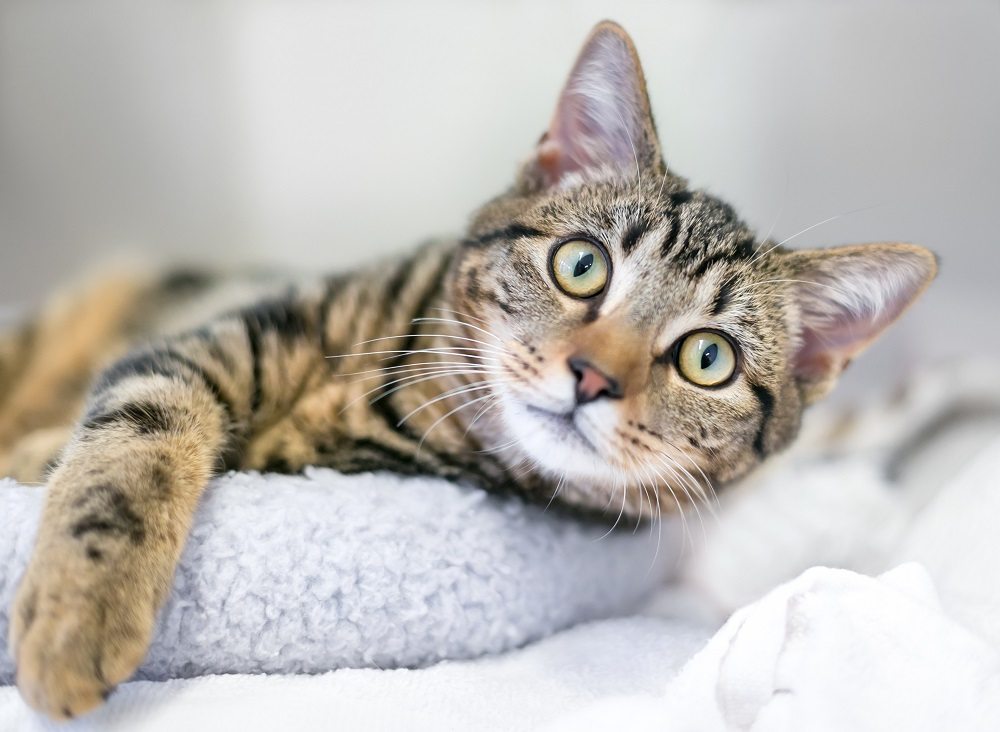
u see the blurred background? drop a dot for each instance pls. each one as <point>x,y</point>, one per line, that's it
<point>316,134</point>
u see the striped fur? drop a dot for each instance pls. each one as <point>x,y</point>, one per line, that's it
<point>451,361</point>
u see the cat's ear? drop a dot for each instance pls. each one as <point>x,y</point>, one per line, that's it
<point>603,123</point>
<point>846,297</point>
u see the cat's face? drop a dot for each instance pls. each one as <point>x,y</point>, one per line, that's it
<point>640,335</point>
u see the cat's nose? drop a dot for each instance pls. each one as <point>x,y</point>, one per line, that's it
<point>591,382</point>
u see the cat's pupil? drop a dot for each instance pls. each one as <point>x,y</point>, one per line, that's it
<point>583,264</point>
<point>709,355</point>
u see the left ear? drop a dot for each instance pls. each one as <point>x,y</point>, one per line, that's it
<point>846,297</point>
<point>602,123</point>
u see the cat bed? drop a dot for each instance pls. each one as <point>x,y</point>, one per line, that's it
<point>914,649</point>
<point>304,574</point>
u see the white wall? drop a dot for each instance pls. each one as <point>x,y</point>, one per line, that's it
<point>317,134</point>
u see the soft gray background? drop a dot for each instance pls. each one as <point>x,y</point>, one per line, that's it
<point>318,134</point>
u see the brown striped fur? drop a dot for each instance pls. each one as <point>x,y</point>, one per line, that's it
<point>452,361</point>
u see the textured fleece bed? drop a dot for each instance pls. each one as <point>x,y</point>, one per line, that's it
<point>563,627</point>
<point>303,574</point>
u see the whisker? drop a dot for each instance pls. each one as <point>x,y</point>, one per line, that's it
<point>487,407</point>
<point>443,417</point>
<point>642,495</point>
<point>685,529</point>
<point>498,448</point>
<point>486,347</point>
<point>425,371</point>
<point>393,370</point>
<point>446,351</point>
<point>457,391</point>
<point>559,485</point>
<point>670,464</point>
<point>407,381</point>
<point>458,322</point>
<point>478,320</point>
<point>464,315</point>
<point>764,252</point>
<point>658,519</point>
<point>781,208</point>
<point>621,511</point>
<point>702,490</point>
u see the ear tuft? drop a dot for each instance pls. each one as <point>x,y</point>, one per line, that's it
<point>846,297</point>
<point>603,123</point>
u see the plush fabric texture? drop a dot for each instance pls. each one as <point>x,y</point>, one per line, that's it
<point>289,574</point>
<point>831,650</point>
<point>914,648</point>
<point>521,690</point>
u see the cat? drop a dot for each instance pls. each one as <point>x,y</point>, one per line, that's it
<point>601,336</point>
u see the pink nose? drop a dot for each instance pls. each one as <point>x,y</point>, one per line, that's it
<point>591,382</point>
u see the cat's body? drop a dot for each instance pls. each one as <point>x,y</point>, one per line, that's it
<point>277,363</point>
<point>601,336</point>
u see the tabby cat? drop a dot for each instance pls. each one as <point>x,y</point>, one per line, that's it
<point>602,336</point>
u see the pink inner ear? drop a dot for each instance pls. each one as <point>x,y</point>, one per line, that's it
<point>571,144</point>
<point>849,296</point>
<point>598,121</point>
<point>580,140</point>
<point>829,348</point>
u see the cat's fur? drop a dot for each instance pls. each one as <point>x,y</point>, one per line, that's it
<point>477,339</point>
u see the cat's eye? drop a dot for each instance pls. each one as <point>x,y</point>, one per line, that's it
<point>579,268</point>
<point>706,358</point>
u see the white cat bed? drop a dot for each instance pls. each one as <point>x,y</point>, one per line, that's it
<point>831,650</point>
<point>915,649</point>
<point>291,574</point>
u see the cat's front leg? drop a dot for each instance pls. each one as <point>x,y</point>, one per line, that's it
<point>116,516</point>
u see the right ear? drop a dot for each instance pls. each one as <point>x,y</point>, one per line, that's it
<point>603,124</point>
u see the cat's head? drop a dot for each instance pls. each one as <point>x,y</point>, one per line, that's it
<point>644,334</point>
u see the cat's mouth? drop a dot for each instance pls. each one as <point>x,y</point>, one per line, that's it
<point>563,424</point>
<point>565,444</point>
<point>562,420</point>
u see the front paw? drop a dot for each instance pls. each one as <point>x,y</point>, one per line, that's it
<point>74,638</point>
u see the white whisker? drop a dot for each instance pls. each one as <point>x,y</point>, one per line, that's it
<point>445,416</point>
<point>478,320</point>
<point>420,365</point>
<point>458,322</point>
<point>407,381</point>
<point>670,464</point>
<point>465,339</point>
<point>482,412</point>
<point>764,252</point>
<point>657,518</point>
<point>685,530</point>
<point>457,391</point>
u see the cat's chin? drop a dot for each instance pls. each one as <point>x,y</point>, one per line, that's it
<point>562,445</point>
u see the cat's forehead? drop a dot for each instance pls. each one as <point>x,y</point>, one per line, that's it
<point>666,229</point>
<point>676,255</point>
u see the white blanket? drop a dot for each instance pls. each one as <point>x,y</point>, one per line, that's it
<point>914,648</point>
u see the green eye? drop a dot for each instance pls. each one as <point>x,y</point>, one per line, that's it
<point>706,358</point>
<point>579,268</point>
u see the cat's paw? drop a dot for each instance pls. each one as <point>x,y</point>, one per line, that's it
<point>74,641</point>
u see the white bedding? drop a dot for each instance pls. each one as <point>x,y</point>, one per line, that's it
<point>303,574</point>
<point>913,649</point>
